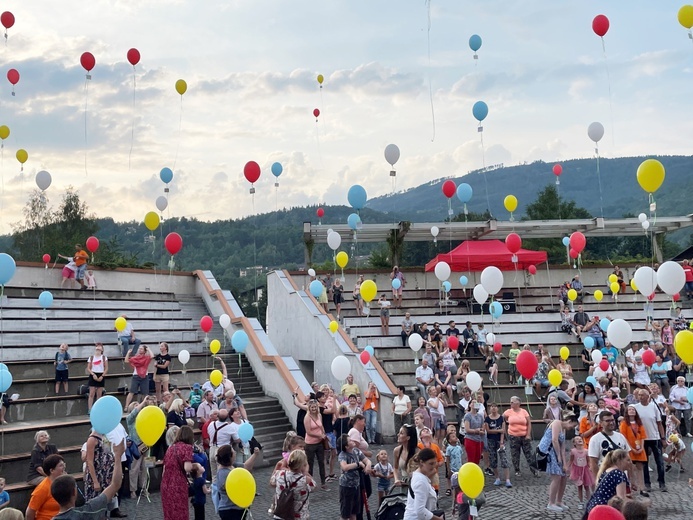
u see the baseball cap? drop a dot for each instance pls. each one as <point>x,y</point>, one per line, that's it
<point>196,386</point>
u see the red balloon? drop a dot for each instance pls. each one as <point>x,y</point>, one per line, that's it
<point>92,244</point>
<point>13,76</point>
<point>600,25</point>
<point>532,269</point>
<point>7,19</point>
<point>316,112</point>
<point>88,61</point>
<point>46,258</point>
<point>133,56</point>
<point>365,357</point>
<point>573,253</point>
<point>649,357</point>
<point>557,169</point>
<point>513,242</point>
<point>578,241</point>
<point>602,512</point>
<point>449,189</point>
<point>173,243</point>
<point>676,297</point>
<point>251,170</point>
<point>651,297</point>
<point>206,324</point>
<point>604,365</point>
<point>320,213</point>
<point>527,364</point>
<point>453,342</point>
<point>497,347</point>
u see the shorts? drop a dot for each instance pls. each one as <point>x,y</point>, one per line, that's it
<point>349,501</point>
<point>139,385</point>
<point>61,376</point>
<point>543,382</point>
<point>68,273</point>
<point>79,273</point>
<point>397,292</point>
<point>440,424</point>
<point>332,438</point>
<point>385,313</point>
<point>357,297</point>
<point>383,484</point>
<point>161,378</point>
<point>95,383</point>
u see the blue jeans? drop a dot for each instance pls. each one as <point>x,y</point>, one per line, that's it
<point>598,342</point>
<point>654,448</point>
<point>125,344</point>
<point>371,422</point>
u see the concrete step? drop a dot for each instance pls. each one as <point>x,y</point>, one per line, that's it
<point>33,292</point>
<point>14,468</point>
<point>45,338</point>
<point>66,325</point>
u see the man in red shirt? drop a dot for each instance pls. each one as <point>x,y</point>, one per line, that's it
<point>688,270</point>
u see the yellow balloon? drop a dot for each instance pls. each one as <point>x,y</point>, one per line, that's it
<point>615,287</point>
<point>683,343</point>
<point>368,290</point>
<point>216,377</point>
<point>334,326</point>
<point>4,132</point>
<point>510,203</point>
<point>342,259</point>
<point>240,487</point>
<point>633,286</point>
<point>613,278</point>
<point>214,346</point>
<point>555,377</point>
<point>150,424</point>
<point>181,86</point>
<point>320,79</point>
<point>120,324</point>
<point>650,175</point>
<point>151,221</point>
<point>471,480</point>
<point>686,16</point>
<point>598,295</point>
<point>572,295</point>
<point>565,353</point>
<point>22,156</point>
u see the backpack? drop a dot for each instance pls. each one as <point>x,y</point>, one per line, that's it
<point>284,507</point>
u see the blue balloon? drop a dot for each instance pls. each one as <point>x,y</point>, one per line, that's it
<point>566,241</point>
<point>277,169</point>
<point>588,342</point>
<point>353,220</point>
<point>3,367</point>
<point>447,286</point>
<point>246,432</point>
<point>105,414</point>
<point>6,381</point>
<point>593,380</point>
<point>463,280</point>
<point>480,110</point>
<point>475,42</point>
<point>464,193</point>
<point>396,284</point>
<point>604,324</point>
<point>496,309</point>
<point>7,268</point>
<point>239,341</point>
<point>689,395</point>
<point>166,175</point>
<point>316,288</point>
<point>357,196</point>
<point>45,299</point>
<point>370,350</point>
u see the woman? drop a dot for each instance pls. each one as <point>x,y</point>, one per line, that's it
<point>422,501</point>
<point>404,455</point>
<point>140,381</point>
<point>97,367</point>
<point>641,376</point>
<point>370,411</point>
<point>162,362</point>
<point>518,429</point>
<point>315,433</point>
<point>401,407</point>
<point>42,505</point>
<point>461,376</point>
<point>297,478</point>
<point>474,433</point>
<point>587,362</point>
<point>658,374</point>
<point>589,425</point>
<point>565,369</point>
<point>553,411</point>
<point>176,414</point>
<point>384,315</point>
<point>587,397</point>
<point>226,461</point>
<point>553,444</point>
<point>358,302</point>
<point>337,297</point>
<point>633,430</point>
<point>39,453</point>
<point>611,480</point>
<point>443,378</point>
<point>100,462</point>
<point>178,462</point>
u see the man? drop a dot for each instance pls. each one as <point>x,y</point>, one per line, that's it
<point>206,407</point>
<point>407,328</point>
<point>679,400</point>
<point>688,272</point>
<point>138,468</point>
<point>81,257</point>
<point>424,377</point>
<point>127,338</point>
<point>429,355</point>
<point>469,339</point>
<point>580,319</point>
<point>452,330</point>
<point>64,491</point>
<point>541,378</point>
<point>349,388</point>
<point>605,441</point>
<point>577,285</point>
<point>396,274</point>
<point>651,418</point>
<point>219,433</point>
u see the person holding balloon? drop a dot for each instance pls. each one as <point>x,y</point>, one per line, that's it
<point>139,384</point>
<point>161,362</point>
<point>126,335</point>
<point>338,295</point>
<point>232,501</point>
<point>397,287</point>
<point>97,368</point>
<point>358,301</point>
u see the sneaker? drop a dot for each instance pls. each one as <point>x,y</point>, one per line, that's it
<point>648,488</point>
<point>489,472</point>
<point>517,474</point>
<point>668,467</point>
<point>644,494</point>
<point>508,484</point>
<point>497,482</point>
<point>663,489</point>
<point>563,506</point>
<point>689,435</point>
<point>556,509</point>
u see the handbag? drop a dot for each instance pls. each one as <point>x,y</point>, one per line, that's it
<point>541,459</point>
<point>326,443</point>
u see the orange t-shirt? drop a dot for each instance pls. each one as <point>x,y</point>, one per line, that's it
<point>371,403</point>
<point>81,258</point>
<point>43,502</point>
<point>584,426</point>
<point>435,481</point>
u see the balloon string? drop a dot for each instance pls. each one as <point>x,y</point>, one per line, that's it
<point>257,307</point>
<point>180,126</point>
<point>322,111</point>
<point>86,103</point>
<point>430,87</point>
<point>599,178</point>
<point>611,106</point>
<point>483,163</point>
<point>132,129</point>
<point>317,140</point>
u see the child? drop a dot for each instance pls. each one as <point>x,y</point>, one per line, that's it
<point>622,374</point>
<point>90,279</point>
<point>672,422</point>
<point>612,402</point>
<point>580,472</point>
<point>453,459</point>
<point>200,490</point>
<point>512,359</point>
<point>68,271</point>
<point>4,495</point>
<point>481,338</point>
<point>567,322</point>
<point>351,461</point>
<point>648,307</point>
<point>62,359</point>
<point>678,450</point>
<point>491,366</point>
<point>385,473</point>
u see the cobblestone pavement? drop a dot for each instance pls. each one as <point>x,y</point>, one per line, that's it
<point>526,500</point>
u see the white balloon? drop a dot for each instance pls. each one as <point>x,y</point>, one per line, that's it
<point>329,230</point>
<point>645,280</point>
<point>43,180</point>
<point>442,271</point>
<point>480,294</point>
<point>224,321</point>
<point>670,277</point>
<point>490,338</point>
<point>184,356</point>
<point>334,240</point>
<point>435,231</point>
<point>473,381</point>
<point>392,154</point>
<point>645,225</point>
<point>619,333</point>
<point>341,367</point>
<point>311,272</point>
<point>492,279</point>
<point>595,131</point>
<point>597,354</point>
<point>415,341</point>
<point>161,203</point>
<point>642,217</point>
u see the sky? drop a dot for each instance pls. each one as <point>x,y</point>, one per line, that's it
<point>390,77</point>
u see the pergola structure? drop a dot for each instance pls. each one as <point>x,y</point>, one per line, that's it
<point>497,229</point>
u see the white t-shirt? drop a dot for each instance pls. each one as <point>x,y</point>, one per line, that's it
<point>223,433</point>
<point>600,445</point>
<point>630,358</point>
<point>425,373</point>
<point>650,416</point>
<point>401,404</point>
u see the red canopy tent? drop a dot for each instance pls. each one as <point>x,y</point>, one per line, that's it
<point>473,255</point>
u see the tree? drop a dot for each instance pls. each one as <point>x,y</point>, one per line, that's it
<point>29,235</point>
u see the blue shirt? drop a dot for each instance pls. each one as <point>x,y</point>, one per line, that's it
<point>199,496</point>
<point>610,354</point>
<point>4,497</point>
<point>454,455</point>
<point>60,359</point>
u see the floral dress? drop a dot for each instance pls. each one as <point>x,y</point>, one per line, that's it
<point>174,483</point>
<point>104,461</point>
<point>553,467</point>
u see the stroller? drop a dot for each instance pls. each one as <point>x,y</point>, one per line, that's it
<point>393,505</point>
